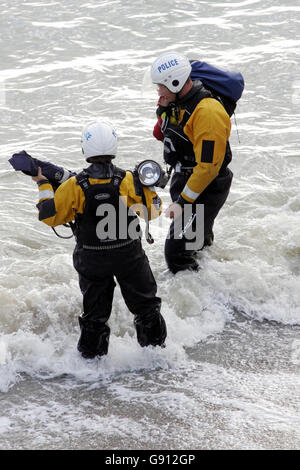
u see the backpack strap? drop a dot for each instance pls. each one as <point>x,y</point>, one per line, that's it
<point>199,96</point>
<point>83,180</point>
<point>118,176</point>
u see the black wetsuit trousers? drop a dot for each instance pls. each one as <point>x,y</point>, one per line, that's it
<point>97,271</point>
<point>180,250</point>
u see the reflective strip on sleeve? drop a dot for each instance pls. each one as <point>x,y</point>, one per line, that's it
<point>189,193</point>
<point>46,194</point>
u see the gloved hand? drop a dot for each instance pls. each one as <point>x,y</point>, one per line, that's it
<point>22,161</point>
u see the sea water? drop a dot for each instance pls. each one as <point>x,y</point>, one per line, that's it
<point>229,375</point>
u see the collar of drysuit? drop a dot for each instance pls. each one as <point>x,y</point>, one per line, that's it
<point>100,170</point>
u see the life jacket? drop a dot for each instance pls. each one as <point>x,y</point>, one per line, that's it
<point>177,146</point>
<point>102,226</point>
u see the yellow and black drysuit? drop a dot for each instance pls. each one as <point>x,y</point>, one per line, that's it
<point>103,200</point>
<point>195,133</point>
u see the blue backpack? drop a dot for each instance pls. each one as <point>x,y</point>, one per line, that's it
<point>227,85</point>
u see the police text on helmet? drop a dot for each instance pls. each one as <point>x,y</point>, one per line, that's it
<point>167,65</point>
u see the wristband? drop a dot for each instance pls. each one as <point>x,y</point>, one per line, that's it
<point>39,183</point>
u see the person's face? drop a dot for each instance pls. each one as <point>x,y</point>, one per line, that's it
<point>165,95</point>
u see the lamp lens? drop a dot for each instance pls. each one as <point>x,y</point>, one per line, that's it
<point>149,173</point>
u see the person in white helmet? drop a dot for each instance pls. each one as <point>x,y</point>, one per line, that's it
<point>195,128</point>
<point>103,201</point>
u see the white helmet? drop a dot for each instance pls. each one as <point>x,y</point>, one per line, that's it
<point>99,138</point>
<point>172,70</point>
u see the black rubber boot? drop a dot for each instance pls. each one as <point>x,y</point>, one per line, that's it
<point>94,339</point>
<point>151,329</point>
